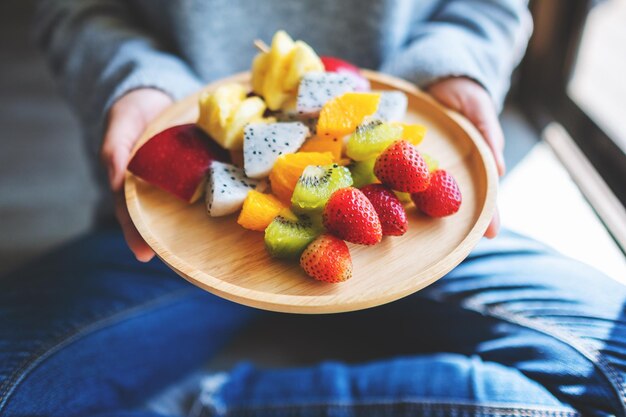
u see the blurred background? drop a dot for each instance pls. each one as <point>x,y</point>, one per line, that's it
<point>564,123</point>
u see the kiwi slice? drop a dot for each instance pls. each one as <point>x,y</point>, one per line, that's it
<point>288,235</point>
<point>431,162</point>
<point>363,172</point>
<point>404,198</point>
<point>371,138</point>
<point>315,186</point>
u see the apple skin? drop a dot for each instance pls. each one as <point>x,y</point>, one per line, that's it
<point>177,160</point>
<point>332,64</point>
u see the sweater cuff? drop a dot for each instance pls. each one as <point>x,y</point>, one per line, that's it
<point>426,62</point>
<point>172,78</point>
<point>158,70</point>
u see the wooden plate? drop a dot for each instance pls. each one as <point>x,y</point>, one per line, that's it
<point>223,258</point>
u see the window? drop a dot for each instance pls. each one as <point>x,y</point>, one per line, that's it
<point>598,84</point>
<point>574,75</point>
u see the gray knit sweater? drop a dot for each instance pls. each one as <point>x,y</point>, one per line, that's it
<point>101,49</point>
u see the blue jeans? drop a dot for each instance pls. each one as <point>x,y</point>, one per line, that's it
<point>516,329</point>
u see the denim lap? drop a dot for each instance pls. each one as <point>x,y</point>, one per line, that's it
<point>88,328</point>
<point>516,329</point>
<point>560,322</point>
<point>427,385</point>
<point>515,313</point>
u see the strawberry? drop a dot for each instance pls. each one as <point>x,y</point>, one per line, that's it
<point>389,209</point>
<point>327,259</point>
<point>441,198</point>
<point>350,216</point>
<point>402,168</point>
<point>332,64</point>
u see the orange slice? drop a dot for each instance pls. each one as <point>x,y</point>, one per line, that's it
<point>323,144</point>
<point>412,133</point>
<point>288,168</point>
<point>259,210</point>
<point>341,115</point>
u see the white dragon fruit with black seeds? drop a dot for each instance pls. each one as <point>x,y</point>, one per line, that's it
<point>227,188</point>
<point>316,88</point>
<point>392,106</point>
<point>263,143</point>
<point>308,120</point>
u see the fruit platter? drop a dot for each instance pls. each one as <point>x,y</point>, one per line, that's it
<point>308,185</point>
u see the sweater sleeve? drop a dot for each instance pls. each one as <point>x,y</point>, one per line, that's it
<point>98,51</point>
<point>480,39</point>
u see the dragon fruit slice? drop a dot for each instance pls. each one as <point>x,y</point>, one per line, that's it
<point>263,143</point>
<point>227,188</point>
<point>316,88</point>
<point>332,64</point>
<point>309,121</point>
<point>392,106</point>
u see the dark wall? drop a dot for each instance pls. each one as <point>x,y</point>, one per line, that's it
<point>46,193</point>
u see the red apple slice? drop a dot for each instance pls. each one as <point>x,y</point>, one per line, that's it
<point>332,64</point>
<point>177,160</point>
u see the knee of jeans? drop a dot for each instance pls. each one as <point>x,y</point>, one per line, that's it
<point>542,289</point>
<point>453,380</point>
<point>525,278</point>
<point>81,289</point>
<point>118,360</point>
<point>526,289</point>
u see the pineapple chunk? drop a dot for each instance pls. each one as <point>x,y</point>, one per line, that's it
<point>250,110</point>
<point>260,65</point>
<point>225,112</point>
<point>302,60</point>
<point>276,74</point>
<point>217,107</point>
<point>225,100</point>
<point>273,92</point>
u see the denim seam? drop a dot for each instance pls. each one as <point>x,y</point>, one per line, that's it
<point>570,339</point>
<point>98,323</point>
<point>414,403</point>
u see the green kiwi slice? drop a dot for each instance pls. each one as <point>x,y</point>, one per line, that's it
<point>316,185</point>
<point>371,138</point>
<point>288,235</point>
<point>363,172</point>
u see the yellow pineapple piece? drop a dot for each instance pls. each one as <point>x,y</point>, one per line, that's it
<point>276,74</point>
<point>225,99</point>
<point>302,60</point>
<point>249,110</point>
<point>273,91</point>
<point>225,111</point>
<point>260,66</point>
<point>218,106</point>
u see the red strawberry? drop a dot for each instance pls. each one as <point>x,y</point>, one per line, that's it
<point>332,64</point>
<point>327,259</point>
<point>442,198</point>
<point>350,216</point>
<point>389,208</point>
<point>402,168</point>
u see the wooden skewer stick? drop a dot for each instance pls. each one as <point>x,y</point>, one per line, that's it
<point>261,46</point>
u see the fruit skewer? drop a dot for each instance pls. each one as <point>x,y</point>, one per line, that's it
<point>311,193</point>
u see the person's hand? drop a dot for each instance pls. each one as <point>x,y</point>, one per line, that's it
<point>471,100</point>
<point>127,119</point>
